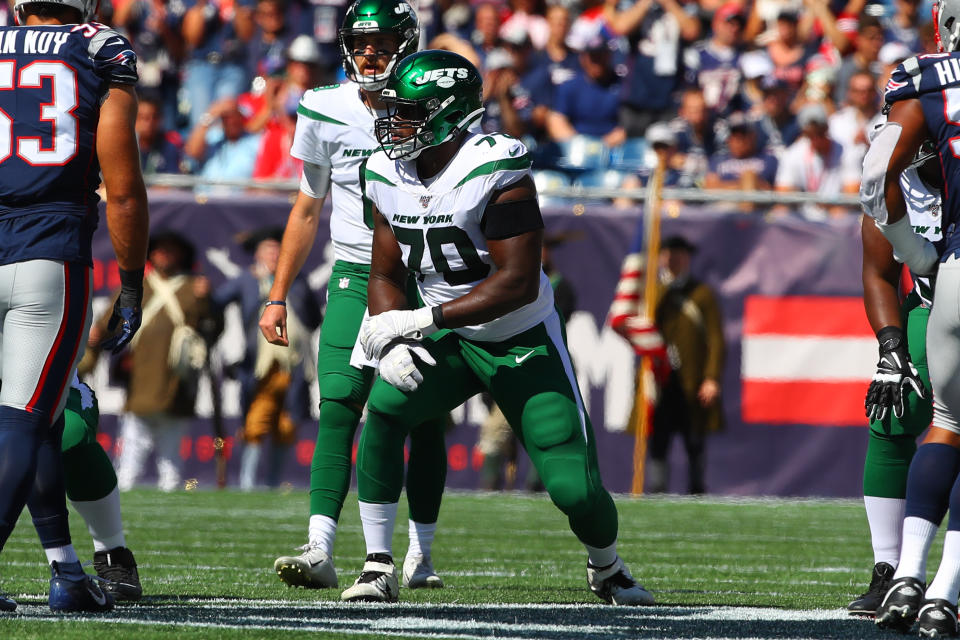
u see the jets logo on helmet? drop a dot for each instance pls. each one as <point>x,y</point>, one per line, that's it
<point>431,97</point>
<point>366,17</point>
<point>87,8</point>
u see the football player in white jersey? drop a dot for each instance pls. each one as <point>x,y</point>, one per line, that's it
<point>334,135</point>
<point>459,209</point>
<point>898,402</point>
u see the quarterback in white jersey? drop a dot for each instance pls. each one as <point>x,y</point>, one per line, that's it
<point>459,210</point>
<point>334,135</point>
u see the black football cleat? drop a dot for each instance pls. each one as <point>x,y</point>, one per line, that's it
<point>900,605</point>
<point>118,568</point>
<point>869,601</point>
<point>938,619</point>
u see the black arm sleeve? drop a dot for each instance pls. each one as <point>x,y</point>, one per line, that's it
<point>509,219</point>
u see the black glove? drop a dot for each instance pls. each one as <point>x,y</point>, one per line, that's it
<point>894,377</point>
<point>127,311</point>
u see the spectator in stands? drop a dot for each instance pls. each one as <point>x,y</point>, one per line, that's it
<point>233,155</point>
<point>548,69</point>
<point>160,150</point>
<point>526,17</point>
<point>276,111</point>
<point>838,31</point>
<point>713,64</point>
<point>695,135</point>
<point>486,28</point>
<point>849,125</point>
<point>588,104</point>
<point>864,57</point>
<point>663,140</point>
<point>160,402</point>
<point>816,163</point>
<point>153,29</point>
<point>271,37</point>
<point>506,102</point>
<point>819,83</point>
<point>776,125</point>
<point>788,52</point>
<point>267,372</point>
<point>903,25</point>
<point>655,32</point>
<point>215,33</point>
<point>741,165</point>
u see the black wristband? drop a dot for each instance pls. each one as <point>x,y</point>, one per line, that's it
<point>131,288</point>
<point>438,320</point>
<point>890,338</point>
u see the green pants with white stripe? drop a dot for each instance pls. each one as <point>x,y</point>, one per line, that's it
<point>893,440</point>
<point>530,376</point>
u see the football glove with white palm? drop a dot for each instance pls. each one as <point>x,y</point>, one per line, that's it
<point>894,378</point>
<point>399,361</point>
<point>378,331</point>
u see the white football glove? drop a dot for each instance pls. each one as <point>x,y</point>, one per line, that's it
<point>377,331</point>
<point>399,368</point>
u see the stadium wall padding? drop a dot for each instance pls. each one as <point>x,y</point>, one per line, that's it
<point>801,274</point>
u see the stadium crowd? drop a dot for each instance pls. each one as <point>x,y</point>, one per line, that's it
<point>769,95</point>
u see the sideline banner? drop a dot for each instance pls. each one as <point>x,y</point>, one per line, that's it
<point>799,350</point>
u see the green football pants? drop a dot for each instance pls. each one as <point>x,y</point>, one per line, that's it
<point>893,440</point>
<point>531,378</point>
<point>88,473</point>
<point>343,392</point>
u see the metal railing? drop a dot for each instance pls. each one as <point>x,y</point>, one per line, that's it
<point>180,181</point>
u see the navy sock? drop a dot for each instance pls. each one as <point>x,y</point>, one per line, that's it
<point>931,480</point>
<point>20,433</point>
<point>47,501</point>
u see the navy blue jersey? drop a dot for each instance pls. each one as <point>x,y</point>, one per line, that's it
<point>934,79</point>
<point>53,80</point>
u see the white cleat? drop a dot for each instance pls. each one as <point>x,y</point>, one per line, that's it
<point>312,569</point>
<point>377,581</point>
<point>615,585</point>
<point>418,573</point>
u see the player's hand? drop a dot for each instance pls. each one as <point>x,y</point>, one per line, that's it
<point>894,378</point>
<point>273,324</point>
<point>398,365</point>
<point>127,311</point>
<point>125,321</point>
<point>376,332</point>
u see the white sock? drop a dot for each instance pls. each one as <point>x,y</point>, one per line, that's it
<point>321,533</point>
<point>918,534</point>
<point>885,517</point>
<point>378,521</point>
<point>946,584</point>
<point>103,519</point>
<point>62,554</point>
<point>421,538</point>
<point>602,557</point>
<point>249,462</point>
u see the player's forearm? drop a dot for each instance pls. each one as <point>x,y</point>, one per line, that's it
<point>384,293</point>
<point>503,292</point>
<point>298,239</point>
<point>129,223</point>
<point>880,300</point>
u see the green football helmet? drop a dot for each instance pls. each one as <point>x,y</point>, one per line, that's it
<point>378,16</point>
<point>431,97</point>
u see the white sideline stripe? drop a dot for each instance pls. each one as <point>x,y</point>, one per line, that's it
<point>444,623</point>
<point>817,358</point>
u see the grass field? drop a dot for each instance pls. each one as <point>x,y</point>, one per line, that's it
<point>719,569</point>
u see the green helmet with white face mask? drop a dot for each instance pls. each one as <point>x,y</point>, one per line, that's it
<point>431,97</point>
<point>368,17</point>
